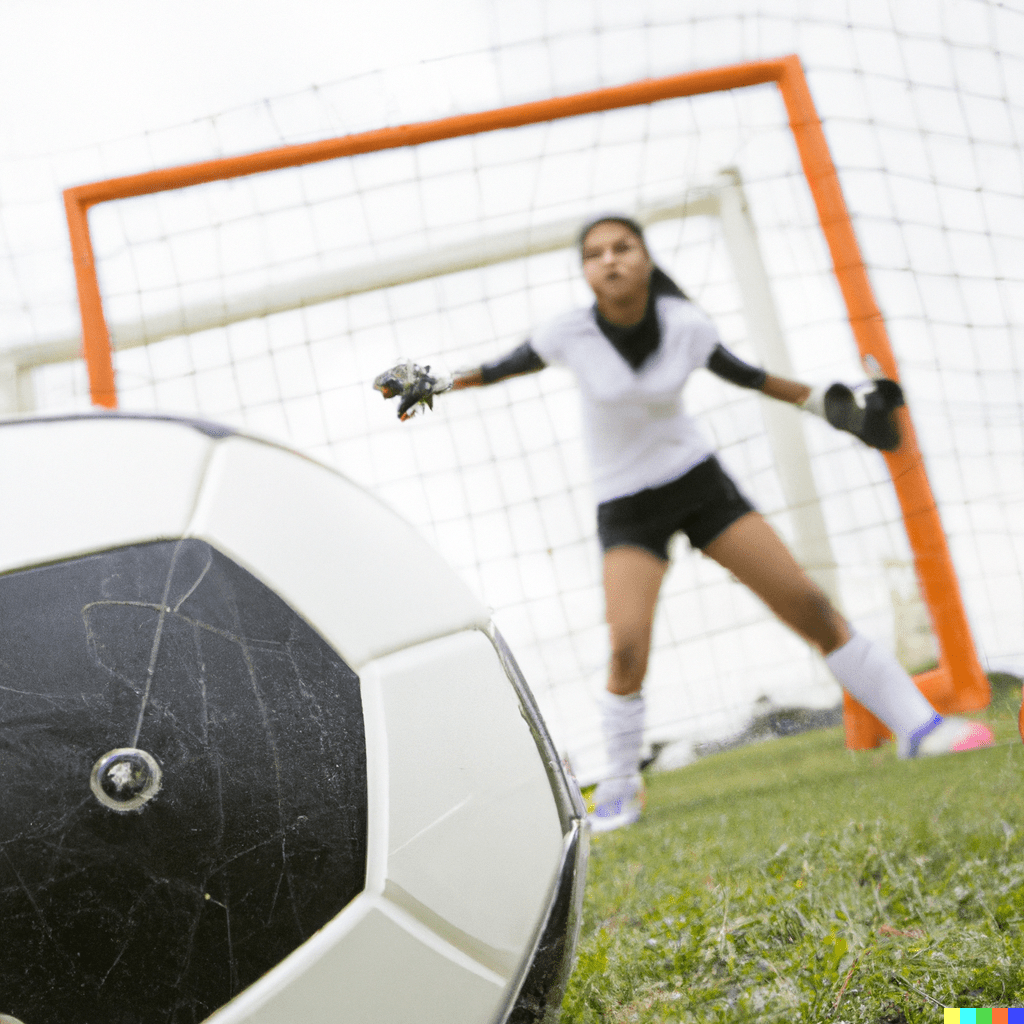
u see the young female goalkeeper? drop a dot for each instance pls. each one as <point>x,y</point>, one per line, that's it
<point>654,475</point>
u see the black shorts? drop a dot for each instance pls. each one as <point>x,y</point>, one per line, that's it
<point>700,503</point>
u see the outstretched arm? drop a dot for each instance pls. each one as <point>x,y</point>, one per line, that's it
<point>467,379</point>
<point>415,386</point>
<point>784,390</point>
<point>868,412</point>
<point>519,361</point>
<point>730,367</point>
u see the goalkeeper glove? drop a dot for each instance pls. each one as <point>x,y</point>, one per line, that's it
<point>413,384</point>
<point>867,411</point>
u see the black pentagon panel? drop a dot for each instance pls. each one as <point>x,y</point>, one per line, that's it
<point>183,766</point>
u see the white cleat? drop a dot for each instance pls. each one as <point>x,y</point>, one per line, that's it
<point>617,803</point>
<point>945,736</point>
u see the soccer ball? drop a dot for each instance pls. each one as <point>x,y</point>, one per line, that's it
<point>264,757</point>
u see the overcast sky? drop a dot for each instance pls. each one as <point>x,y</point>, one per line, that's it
<point>73,74</point>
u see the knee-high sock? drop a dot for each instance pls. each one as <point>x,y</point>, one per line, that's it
<point>873,676</point>
<point>622,720</point>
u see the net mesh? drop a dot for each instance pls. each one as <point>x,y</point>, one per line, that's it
<point>926,134</point>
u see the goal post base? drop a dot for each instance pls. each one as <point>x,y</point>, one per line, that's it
<point>865,732</point>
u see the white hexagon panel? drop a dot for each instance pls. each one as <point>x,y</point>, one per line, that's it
<point>265,757</point>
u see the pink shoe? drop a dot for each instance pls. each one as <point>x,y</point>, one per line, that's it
<point>945,736</point>
<point>978,735</point>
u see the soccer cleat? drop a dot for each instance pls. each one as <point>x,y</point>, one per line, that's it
<point>945,736</point>
<point>617,803</point>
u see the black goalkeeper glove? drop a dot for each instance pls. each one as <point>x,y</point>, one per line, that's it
<point>867,411</point>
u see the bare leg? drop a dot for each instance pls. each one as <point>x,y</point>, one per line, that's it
<point>752,551</point>
<point>632,580</point>
<point>755,554</point>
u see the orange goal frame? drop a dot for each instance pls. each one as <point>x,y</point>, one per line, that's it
<point>958,683</point>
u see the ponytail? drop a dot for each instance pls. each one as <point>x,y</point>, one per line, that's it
<point>662,284</point>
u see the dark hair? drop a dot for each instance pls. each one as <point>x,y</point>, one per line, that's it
<point>661,283</point>
<point>616,218</point>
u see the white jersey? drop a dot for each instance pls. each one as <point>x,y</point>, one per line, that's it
<point>638,434</point>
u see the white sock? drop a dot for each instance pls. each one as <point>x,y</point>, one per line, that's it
<point>622,719</point>
<point>873,676</point>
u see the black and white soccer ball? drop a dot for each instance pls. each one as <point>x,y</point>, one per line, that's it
<point>264,757</point>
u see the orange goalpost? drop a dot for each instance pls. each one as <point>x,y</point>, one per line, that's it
<point>958,683</point>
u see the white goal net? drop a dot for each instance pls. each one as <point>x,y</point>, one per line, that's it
<point>270,301</point>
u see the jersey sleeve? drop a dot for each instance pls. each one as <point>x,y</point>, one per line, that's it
<point>553,340</point>
<point>690,330</point>
<point>723,363</point>
<point>523,359</point>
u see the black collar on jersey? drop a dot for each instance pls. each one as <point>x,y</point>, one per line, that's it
<point>636,342</point>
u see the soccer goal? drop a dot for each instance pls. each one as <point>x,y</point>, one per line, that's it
<point>267,290</point>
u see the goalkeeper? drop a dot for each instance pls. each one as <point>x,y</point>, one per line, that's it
<point>655,475</point>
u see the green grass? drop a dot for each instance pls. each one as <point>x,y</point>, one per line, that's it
<point>793,880</point>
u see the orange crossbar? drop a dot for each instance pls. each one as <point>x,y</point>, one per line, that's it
<point>959,683</point>
<point>78,200</point>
